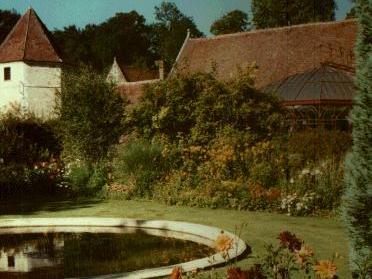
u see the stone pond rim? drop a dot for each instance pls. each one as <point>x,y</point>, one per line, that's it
<point>182,230</point>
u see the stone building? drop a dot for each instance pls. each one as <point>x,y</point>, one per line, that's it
<point>132,80</point>
<point>309,66</point>
<point>30,67</point>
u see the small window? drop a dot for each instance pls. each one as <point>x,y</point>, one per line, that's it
<point>7,73</point>
<point>11,261</point>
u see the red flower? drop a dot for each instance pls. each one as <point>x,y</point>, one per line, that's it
<point>290,241</point>
<point>254,273</point>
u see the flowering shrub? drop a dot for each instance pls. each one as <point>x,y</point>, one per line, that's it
<point>292,258</point>
<point>28,155</point>
<point>296,205</point>
<point>84,178</point>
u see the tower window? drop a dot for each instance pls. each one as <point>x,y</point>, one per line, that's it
<point>11,261</point>
<point>7,73</point>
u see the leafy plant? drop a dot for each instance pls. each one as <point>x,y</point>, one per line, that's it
<point>141,163</point>
<point>90,115</point>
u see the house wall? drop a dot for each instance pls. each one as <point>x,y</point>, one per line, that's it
<point>11,91</point>
<point>33,87</point>
<point>41,85</point>
<point>116,75</point>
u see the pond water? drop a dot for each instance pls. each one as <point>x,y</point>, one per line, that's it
<point>65,255</point>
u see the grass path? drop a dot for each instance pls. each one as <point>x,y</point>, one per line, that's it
<point>326,235</point>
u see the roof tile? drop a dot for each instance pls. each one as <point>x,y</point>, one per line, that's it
<point>29,40</point>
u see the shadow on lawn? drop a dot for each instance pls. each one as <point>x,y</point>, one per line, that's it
<point>31,205</point>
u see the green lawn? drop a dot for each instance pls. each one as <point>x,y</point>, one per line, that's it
<point>325,235</point>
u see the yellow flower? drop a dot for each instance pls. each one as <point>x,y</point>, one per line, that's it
<point>223,243</point>
<point>325,269</point>
<point>304,253</point>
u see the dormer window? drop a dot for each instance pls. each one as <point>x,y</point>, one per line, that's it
<point>7,73</point>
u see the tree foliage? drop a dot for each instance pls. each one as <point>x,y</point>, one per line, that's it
<point>125,36</point>
<point>358,176</point>
<point>169,31</point>
<point>232,22</point>
<point>276,13</point>
<point>199,106</point>
<point>7,20</point>
<point>90,115</point>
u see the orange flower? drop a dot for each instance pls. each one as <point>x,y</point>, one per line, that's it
<point>223,243</point>
<point>273,194</point>
<point>304,253</point>
<point>325,269</point>
<point>176,273</point>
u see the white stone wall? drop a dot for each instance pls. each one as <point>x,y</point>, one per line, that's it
<point>116,75</point>
<point>33,87</point>
<point>11,90</point>
<point>41,84</point>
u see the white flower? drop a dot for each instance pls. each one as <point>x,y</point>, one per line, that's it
<point>291,181</point>
<point>305,171</point>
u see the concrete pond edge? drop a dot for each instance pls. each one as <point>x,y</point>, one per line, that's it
<point>202,234</point>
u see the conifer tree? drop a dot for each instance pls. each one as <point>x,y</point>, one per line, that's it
<point>358,173</point>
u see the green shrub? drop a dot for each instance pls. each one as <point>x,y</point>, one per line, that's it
<point>209,130</point>
<point>29,151</point>
<point>358,174</point>
<point>140,163</point>
<point>218,134</point>
<point>26,139</point>
<point>86,179</point>
<point>90,115</point>
<point>198,106</point>
<point>313,146</point>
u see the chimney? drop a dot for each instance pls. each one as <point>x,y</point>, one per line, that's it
<point>160,64</point>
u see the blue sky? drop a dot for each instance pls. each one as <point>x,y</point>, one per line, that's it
<point>60,13</point>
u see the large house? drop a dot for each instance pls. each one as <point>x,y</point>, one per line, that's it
<point>30,67</point>
<point>131,81</point>
<point>288,60</point>
<point>309,66</point>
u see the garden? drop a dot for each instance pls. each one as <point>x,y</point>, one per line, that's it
<point>208,151</point>
<point>191,142</point>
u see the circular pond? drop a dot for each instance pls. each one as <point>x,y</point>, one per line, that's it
<point>107,248</point>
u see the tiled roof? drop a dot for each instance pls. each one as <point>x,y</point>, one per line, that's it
<point>133,74</point>
<point>29,40</point>
<point>134,90</point>
<point>278,52</point>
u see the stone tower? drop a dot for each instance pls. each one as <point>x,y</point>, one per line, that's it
<point>30,67</point>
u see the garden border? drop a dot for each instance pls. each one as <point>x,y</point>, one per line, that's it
<point>182,230</point>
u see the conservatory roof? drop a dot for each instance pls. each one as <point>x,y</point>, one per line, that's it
<point>325,85</point>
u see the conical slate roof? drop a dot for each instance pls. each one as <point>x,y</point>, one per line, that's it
<point>326,84</point>
<point>30,41</point>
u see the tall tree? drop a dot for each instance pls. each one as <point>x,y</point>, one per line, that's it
<point>275,13</point>
<point>170,30</point>
<point>124,35</point>
<point>358,174</point>
<point>7,20</point>
<point>73,46</point>
<point>352,12</point>
<point>232,22</point>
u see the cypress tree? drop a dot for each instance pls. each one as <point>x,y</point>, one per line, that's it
<point>358,171</point>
